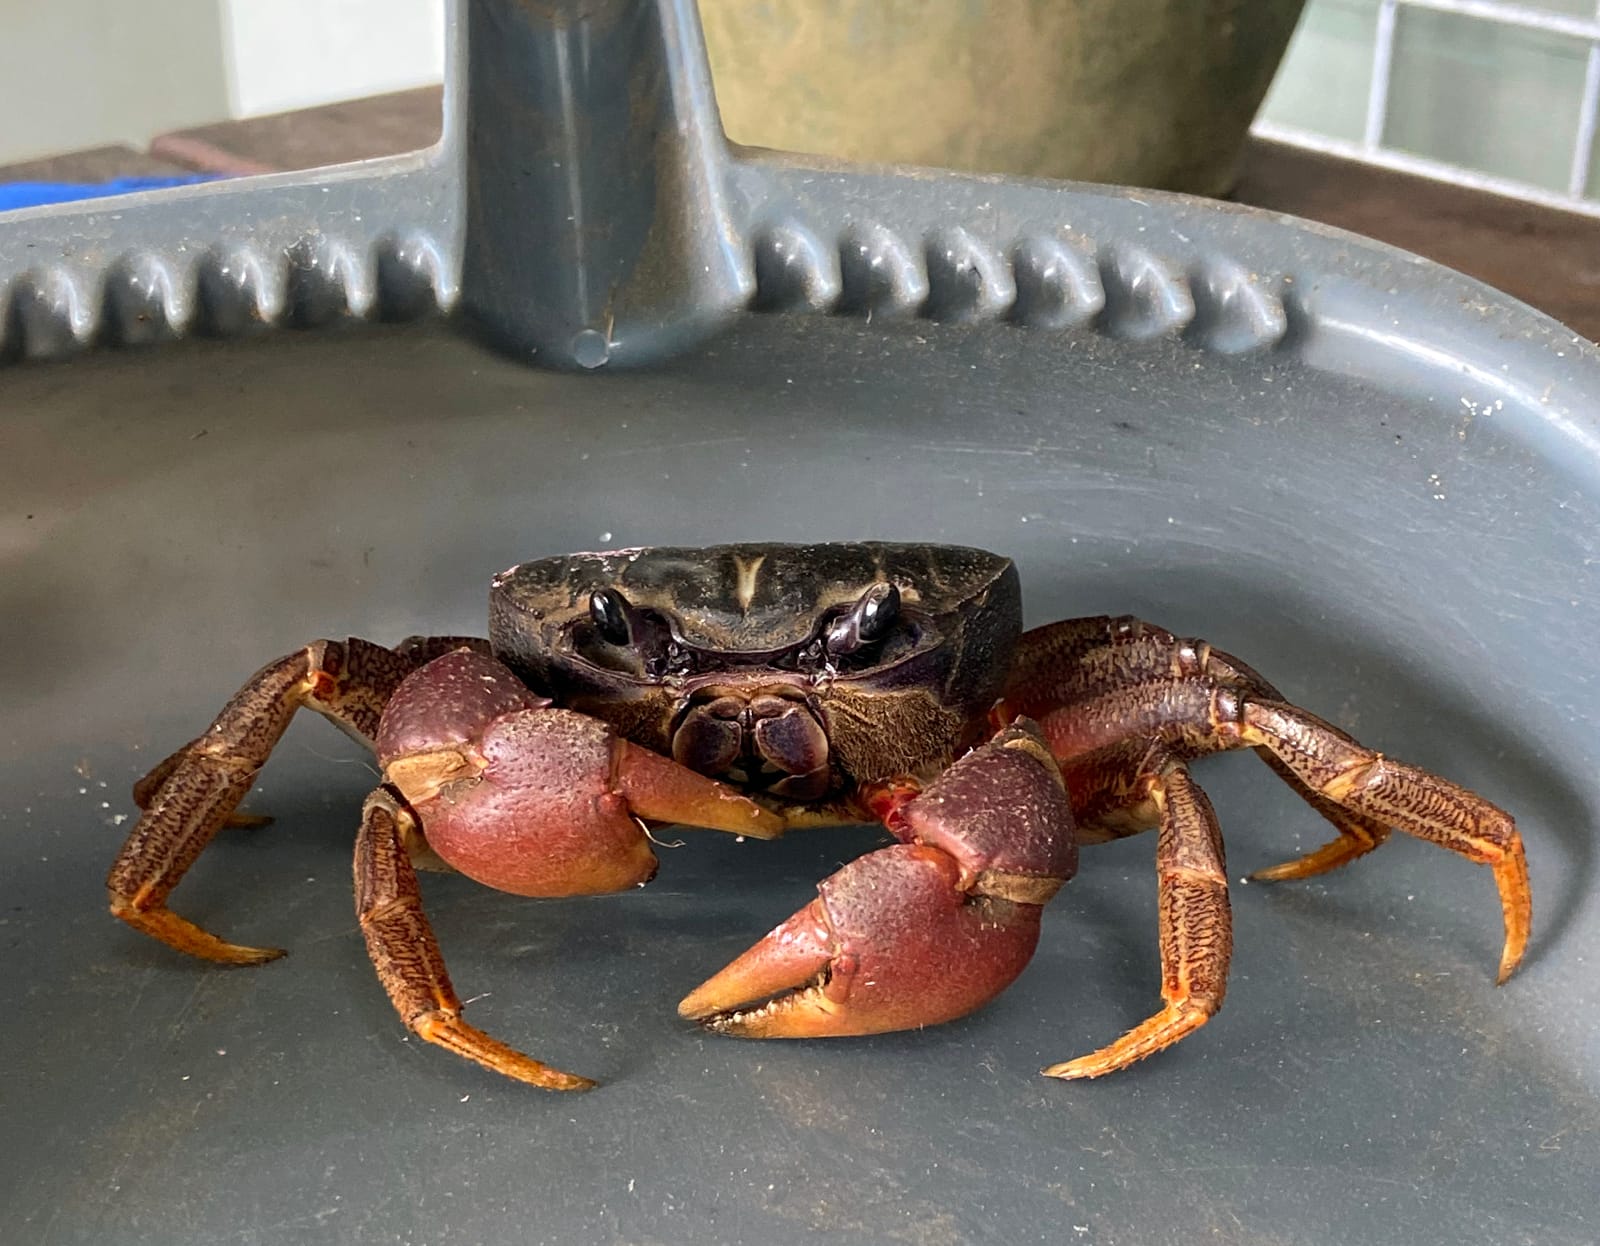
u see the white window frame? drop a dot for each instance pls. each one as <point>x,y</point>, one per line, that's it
<point>1371,148</point>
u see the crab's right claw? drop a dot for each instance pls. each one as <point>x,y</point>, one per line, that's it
<point>532,799</point>
<point>890,943</point>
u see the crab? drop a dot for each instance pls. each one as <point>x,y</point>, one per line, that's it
<point>756,688</point>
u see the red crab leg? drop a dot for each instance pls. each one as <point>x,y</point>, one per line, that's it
<point>1107,690</point>
<point>1357,835</point>
<point>406,954</point>
<point>1083,664</point>
<point>1422,804</point>
<point>921,932</point>
<point>1193,916</point>
<point>192,794</point>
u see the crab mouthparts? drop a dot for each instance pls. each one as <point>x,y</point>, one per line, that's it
<point>795,977</point>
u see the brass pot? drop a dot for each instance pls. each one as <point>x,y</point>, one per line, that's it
<point>1139,92</point>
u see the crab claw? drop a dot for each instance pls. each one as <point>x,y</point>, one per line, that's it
<point>921,932</point>
<point>890,943</point>
<point>535,800</point>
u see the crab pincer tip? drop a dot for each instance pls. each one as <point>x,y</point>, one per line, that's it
<point>778,975</point>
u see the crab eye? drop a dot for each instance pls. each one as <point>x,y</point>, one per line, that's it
<point>868,620</point>
<point>609,610</point>
<point>878,608</point>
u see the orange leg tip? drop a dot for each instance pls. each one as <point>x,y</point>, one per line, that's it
<point>184,936</point>
<point>546,1078</point>
<point>1330,856</point>
<point>1068,1071</point>
<point>1162,1030</point>
<point>1511,953</point>
<point>1516,902</point>
<point>1308,866</point>
<point>449,1031</point>
<point>1279,873</point>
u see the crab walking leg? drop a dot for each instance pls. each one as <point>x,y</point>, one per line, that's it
<point>1339,769</point>
<point>406,955</point>
<point>148,788</point>
<point>925,930</point>
<point>1358,833</point>
<point>1079,660</point>
<point>192,794</point>
<point>1103,688</point>
<point>1106,804</point>
<point>1194,920</point>
<point>413,651</point>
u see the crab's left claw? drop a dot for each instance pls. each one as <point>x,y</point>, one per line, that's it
<point>919,932</point>
<point>891,943</point>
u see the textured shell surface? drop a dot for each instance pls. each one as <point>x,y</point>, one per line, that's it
<point>754,596</point>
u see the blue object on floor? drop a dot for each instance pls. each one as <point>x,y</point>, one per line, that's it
<point>33,194</point>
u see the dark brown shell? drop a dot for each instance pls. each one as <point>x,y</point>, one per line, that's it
<point>740,607</point>
<point>752,597</point>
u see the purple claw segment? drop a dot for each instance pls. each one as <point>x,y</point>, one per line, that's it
<point>1001,812</point>
<point>921,932</point>
<point>534,800</point>
<point>889,944</point>
<point>449,702</point>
